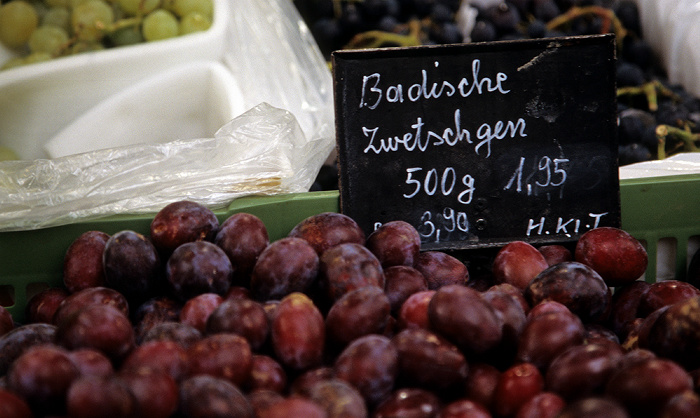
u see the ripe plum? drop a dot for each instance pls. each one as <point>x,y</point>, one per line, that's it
<point>153,312</point>
<point>209,396</point>
<point>429,361</point>
<point>400,283</point>
<point>40,308</point>
<point>369,363</point>
<point>244,317</point>
<point>464,408</point>
<point>675,334</point>
<point>132,265</point>
<point>243,237</point>
<point>409,402</point>
<point>594,407</point>
<point>555,253</point>
<point>395,243</point>
<point>625,306</point>
<point>664,293</point>
<point>42,376</point>
<point>198,267</point>
<point>298,332</point>
<point>155,392</point>
<point>547,335</point>
<point>13,406</point>
<point>196,310</point>
<point>573,284</point>
<point>349,266</point>
<point>223,355</point>
<point>89,361</point>
<point>293,406</point>
<point>266,373</point>
<point>686,404</point>
<point>20,339</point>
<point>285,266</point>
<point>90,296</point>
<point>82,263</point>
<point>645,386</point>
<point>517,263</point>
<point>480,386</point>
<point>328,229</point>
<point>516,385</point>
<point>464,317</point>
<point>183,334</point>
<point>582,370</point>
<point>338,398</point>
<point>359,312</point>
<point>543,405</point>
<point>158,356</point>
<point>101,327</point>
<point>441,269</point>
<point>613,253</point>
<point>92,396</point>
<point>180,222</point>
<point>414,311</point>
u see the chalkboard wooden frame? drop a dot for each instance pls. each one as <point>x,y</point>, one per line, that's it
<point>480,144</point>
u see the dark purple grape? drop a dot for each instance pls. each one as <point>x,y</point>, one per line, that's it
<point>628,74</point>
<point>483,31</point>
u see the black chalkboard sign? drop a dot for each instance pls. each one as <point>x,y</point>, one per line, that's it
<point>480,144</point>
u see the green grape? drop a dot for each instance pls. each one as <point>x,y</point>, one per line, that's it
<point>18,19</point>
<point>12,63</point>
<point>72,4</point>
<point>57,16</point>
<point>35,57</point>
<point>184,7</point>
<point>138,7</point>
<point>91,19</point>
<point>194,22</point>
<point>85,46</point>
<point>50,39</point>
<point>126,36</point>
<point>56,3</point>
<point>159,24</point>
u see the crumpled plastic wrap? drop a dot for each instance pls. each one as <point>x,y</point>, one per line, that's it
<point>277,146</point>
<point>263,151</point>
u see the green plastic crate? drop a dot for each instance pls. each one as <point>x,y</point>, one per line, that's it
<point>664,213</point>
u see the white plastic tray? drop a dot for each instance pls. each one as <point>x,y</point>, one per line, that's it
<point>38,101</point>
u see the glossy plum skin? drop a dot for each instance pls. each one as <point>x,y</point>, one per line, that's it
<point>285,266</point>
<point>517,263</point>
<point>618,257</point>
<point>180,222</point>
<point>464,317</point>
<point>198,267</point>
<point>362,311</point>
<point>243,237</point>
<point>42,306</point>
<point>395,243</point>
<point>400,283</point>
<point>441,269</point>
<point>349,266</point>
<point>132,265</point>
<point>328,229</point>
<point>297,332</point>
<point>576,286</point>
<point>82,264</point>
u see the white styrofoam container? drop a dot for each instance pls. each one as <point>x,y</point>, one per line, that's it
<point>39,100</point>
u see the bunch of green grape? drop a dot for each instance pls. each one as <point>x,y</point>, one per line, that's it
<point>40,30</point>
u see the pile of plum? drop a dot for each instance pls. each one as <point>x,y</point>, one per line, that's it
<point>208,319</point>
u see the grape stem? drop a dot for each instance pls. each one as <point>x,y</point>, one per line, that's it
<point>610,20</point>
<point>651,90</point>
<point>378,38</point>
<point>685,140</point>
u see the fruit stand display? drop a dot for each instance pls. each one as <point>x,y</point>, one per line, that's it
<point>281,306</point>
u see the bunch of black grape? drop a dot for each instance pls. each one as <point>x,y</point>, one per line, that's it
<point>656,118</point>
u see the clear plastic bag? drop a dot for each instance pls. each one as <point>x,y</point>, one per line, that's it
<point>277,146</point>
